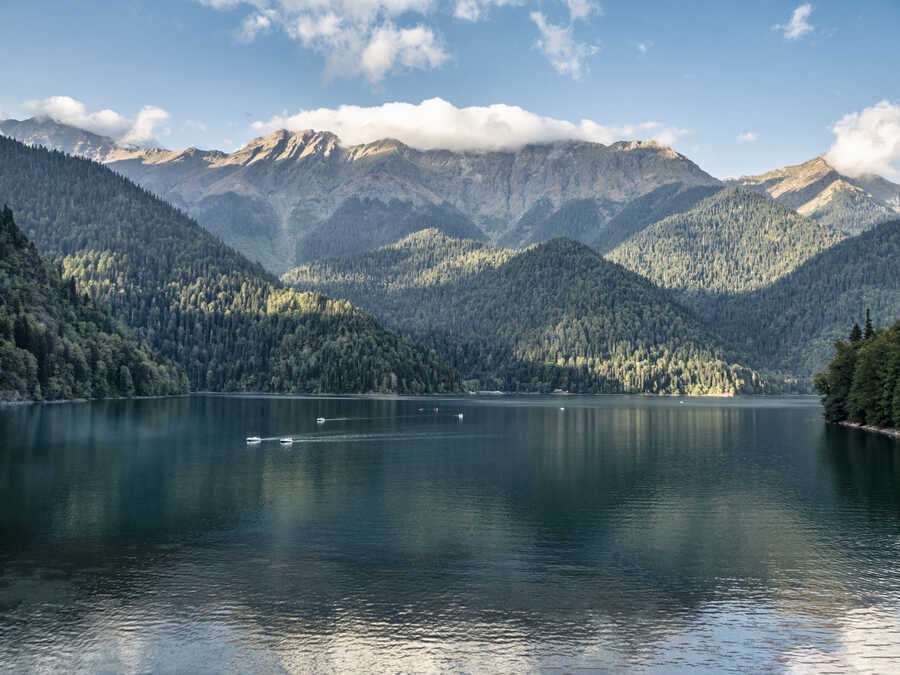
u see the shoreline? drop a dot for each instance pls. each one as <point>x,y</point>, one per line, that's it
<point>464,394</point>
<point>24,401</point>
<point>886,431</point>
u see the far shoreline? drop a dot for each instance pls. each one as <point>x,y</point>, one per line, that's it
<point>9,403</point>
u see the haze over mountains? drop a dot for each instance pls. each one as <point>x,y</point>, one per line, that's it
<point>701,253</point>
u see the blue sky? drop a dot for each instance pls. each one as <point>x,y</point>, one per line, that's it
<point>704,72</point>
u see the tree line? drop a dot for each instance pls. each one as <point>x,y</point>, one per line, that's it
<point>862,382</point>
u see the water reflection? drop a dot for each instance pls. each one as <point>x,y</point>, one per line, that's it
<point>147,535</point>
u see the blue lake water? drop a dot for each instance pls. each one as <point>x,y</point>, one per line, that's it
<point>621,532</point>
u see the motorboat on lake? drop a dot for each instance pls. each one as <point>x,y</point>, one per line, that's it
<point>287,441</point>
<point>320,420</point>
<point>253,440</point>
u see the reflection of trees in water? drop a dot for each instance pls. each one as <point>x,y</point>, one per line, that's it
<point>614,522</point>
<point>865,469</point>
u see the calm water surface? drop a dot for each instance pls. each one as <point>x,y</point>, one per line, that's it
<point>621,532</point>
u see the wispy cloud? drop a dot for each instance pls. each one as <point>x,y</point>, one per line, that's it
<point>799,24</point>
<point>559,45</point>
<point>474,10</point>
<point>67,110</point>
<point>747,137</point>
<point>357,37</point>
<point>643,47</point>
<point>868,142</point>
<point>436,123</point>
<point>582,9</point>
<point>195,125</point>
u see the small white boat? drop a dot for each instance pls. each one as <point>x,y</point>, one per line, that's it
<point>252,440</point>
<point>562,409</point>
<point>320,420</point>
<point>287,441</point>
<point>459,416</point>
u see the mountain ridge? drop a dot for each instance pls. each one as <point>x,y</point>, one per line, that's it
<point>289,183</point>
<point>817,190</point>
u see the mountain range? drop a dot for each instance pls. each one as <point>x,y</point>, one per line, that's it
<point>466,231</point>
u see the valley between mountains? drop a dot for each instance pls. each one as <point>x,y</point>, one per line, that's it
<point>298,264</point>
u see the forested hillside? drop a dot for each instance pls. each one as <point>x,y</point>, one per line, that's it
<point>555,315</point>
<point>734,241</point>
<point>816,190</point>
<point>365,224</point>
<point>55,343</point>
<point>862,382</point>
<point>228,323</point>
<point>793,323</point>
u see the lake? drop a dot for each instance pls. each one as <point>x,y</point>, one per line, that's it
<point>655,534</point>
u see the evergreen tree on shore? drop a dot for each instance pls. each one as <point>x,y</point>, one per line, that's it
<point>862,382</point>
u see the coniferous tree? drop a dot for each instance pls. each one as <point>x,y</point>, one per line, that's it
<point>869,331</point>
<point>228,323</point>
<point>862,382</point>
<point>855,333</point>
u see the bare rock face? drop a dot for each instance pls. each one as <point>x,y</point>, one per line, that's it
<point>815,189</point>
<point>314,171</point>
<point>295,181</point>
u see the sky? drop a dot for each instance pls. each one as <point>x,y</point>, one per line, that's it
<point>739,87</point>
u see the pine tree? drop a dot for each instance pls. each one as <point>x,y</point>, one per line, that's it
<point>855,333</point>
<point>869,331</point>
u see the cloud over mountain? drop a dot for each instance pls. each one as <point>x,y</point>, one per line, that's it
<point>436,123</point>
<point>868,142</point>
<point>106,122</point>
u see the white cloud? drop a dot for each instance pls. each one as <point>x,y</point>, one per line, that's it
<point>799,24</point>
<point>106,122</point>
<point>582,9</point>
<point>357,37</point>
<point>868,142</point>
<point>436,123</point>
<point>643,47</point>
<point>747,137</point>
<point>195,125</point>
<point>473,10</point>
<point>559,45</point>
<point>148,119</point>
<point>68,110</point>
<point>411,47</point>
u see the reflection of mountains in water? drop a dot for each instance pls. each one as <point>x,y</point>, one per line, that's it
<point>624,527</point>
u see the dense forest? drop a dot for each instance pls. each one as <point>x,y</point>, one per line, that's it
<point>364,224</point>
<point>732,242</point>
<point>862,382</point>
<point>55,343</point>
<point>579,219</point>
<point>553,316</point>
<point>792,324</point>
<point>226,321</point>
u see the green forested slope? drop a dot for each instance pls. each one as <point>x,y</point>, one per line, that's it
<point>365,224</point>
<point>647,209</point>
<point>55,343</point>
<point>579,219</point>
<point>731,242</point>
<point>230,325</point>
<point>862,382</point>
<point>555,315</point>
<point>792,323</point>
